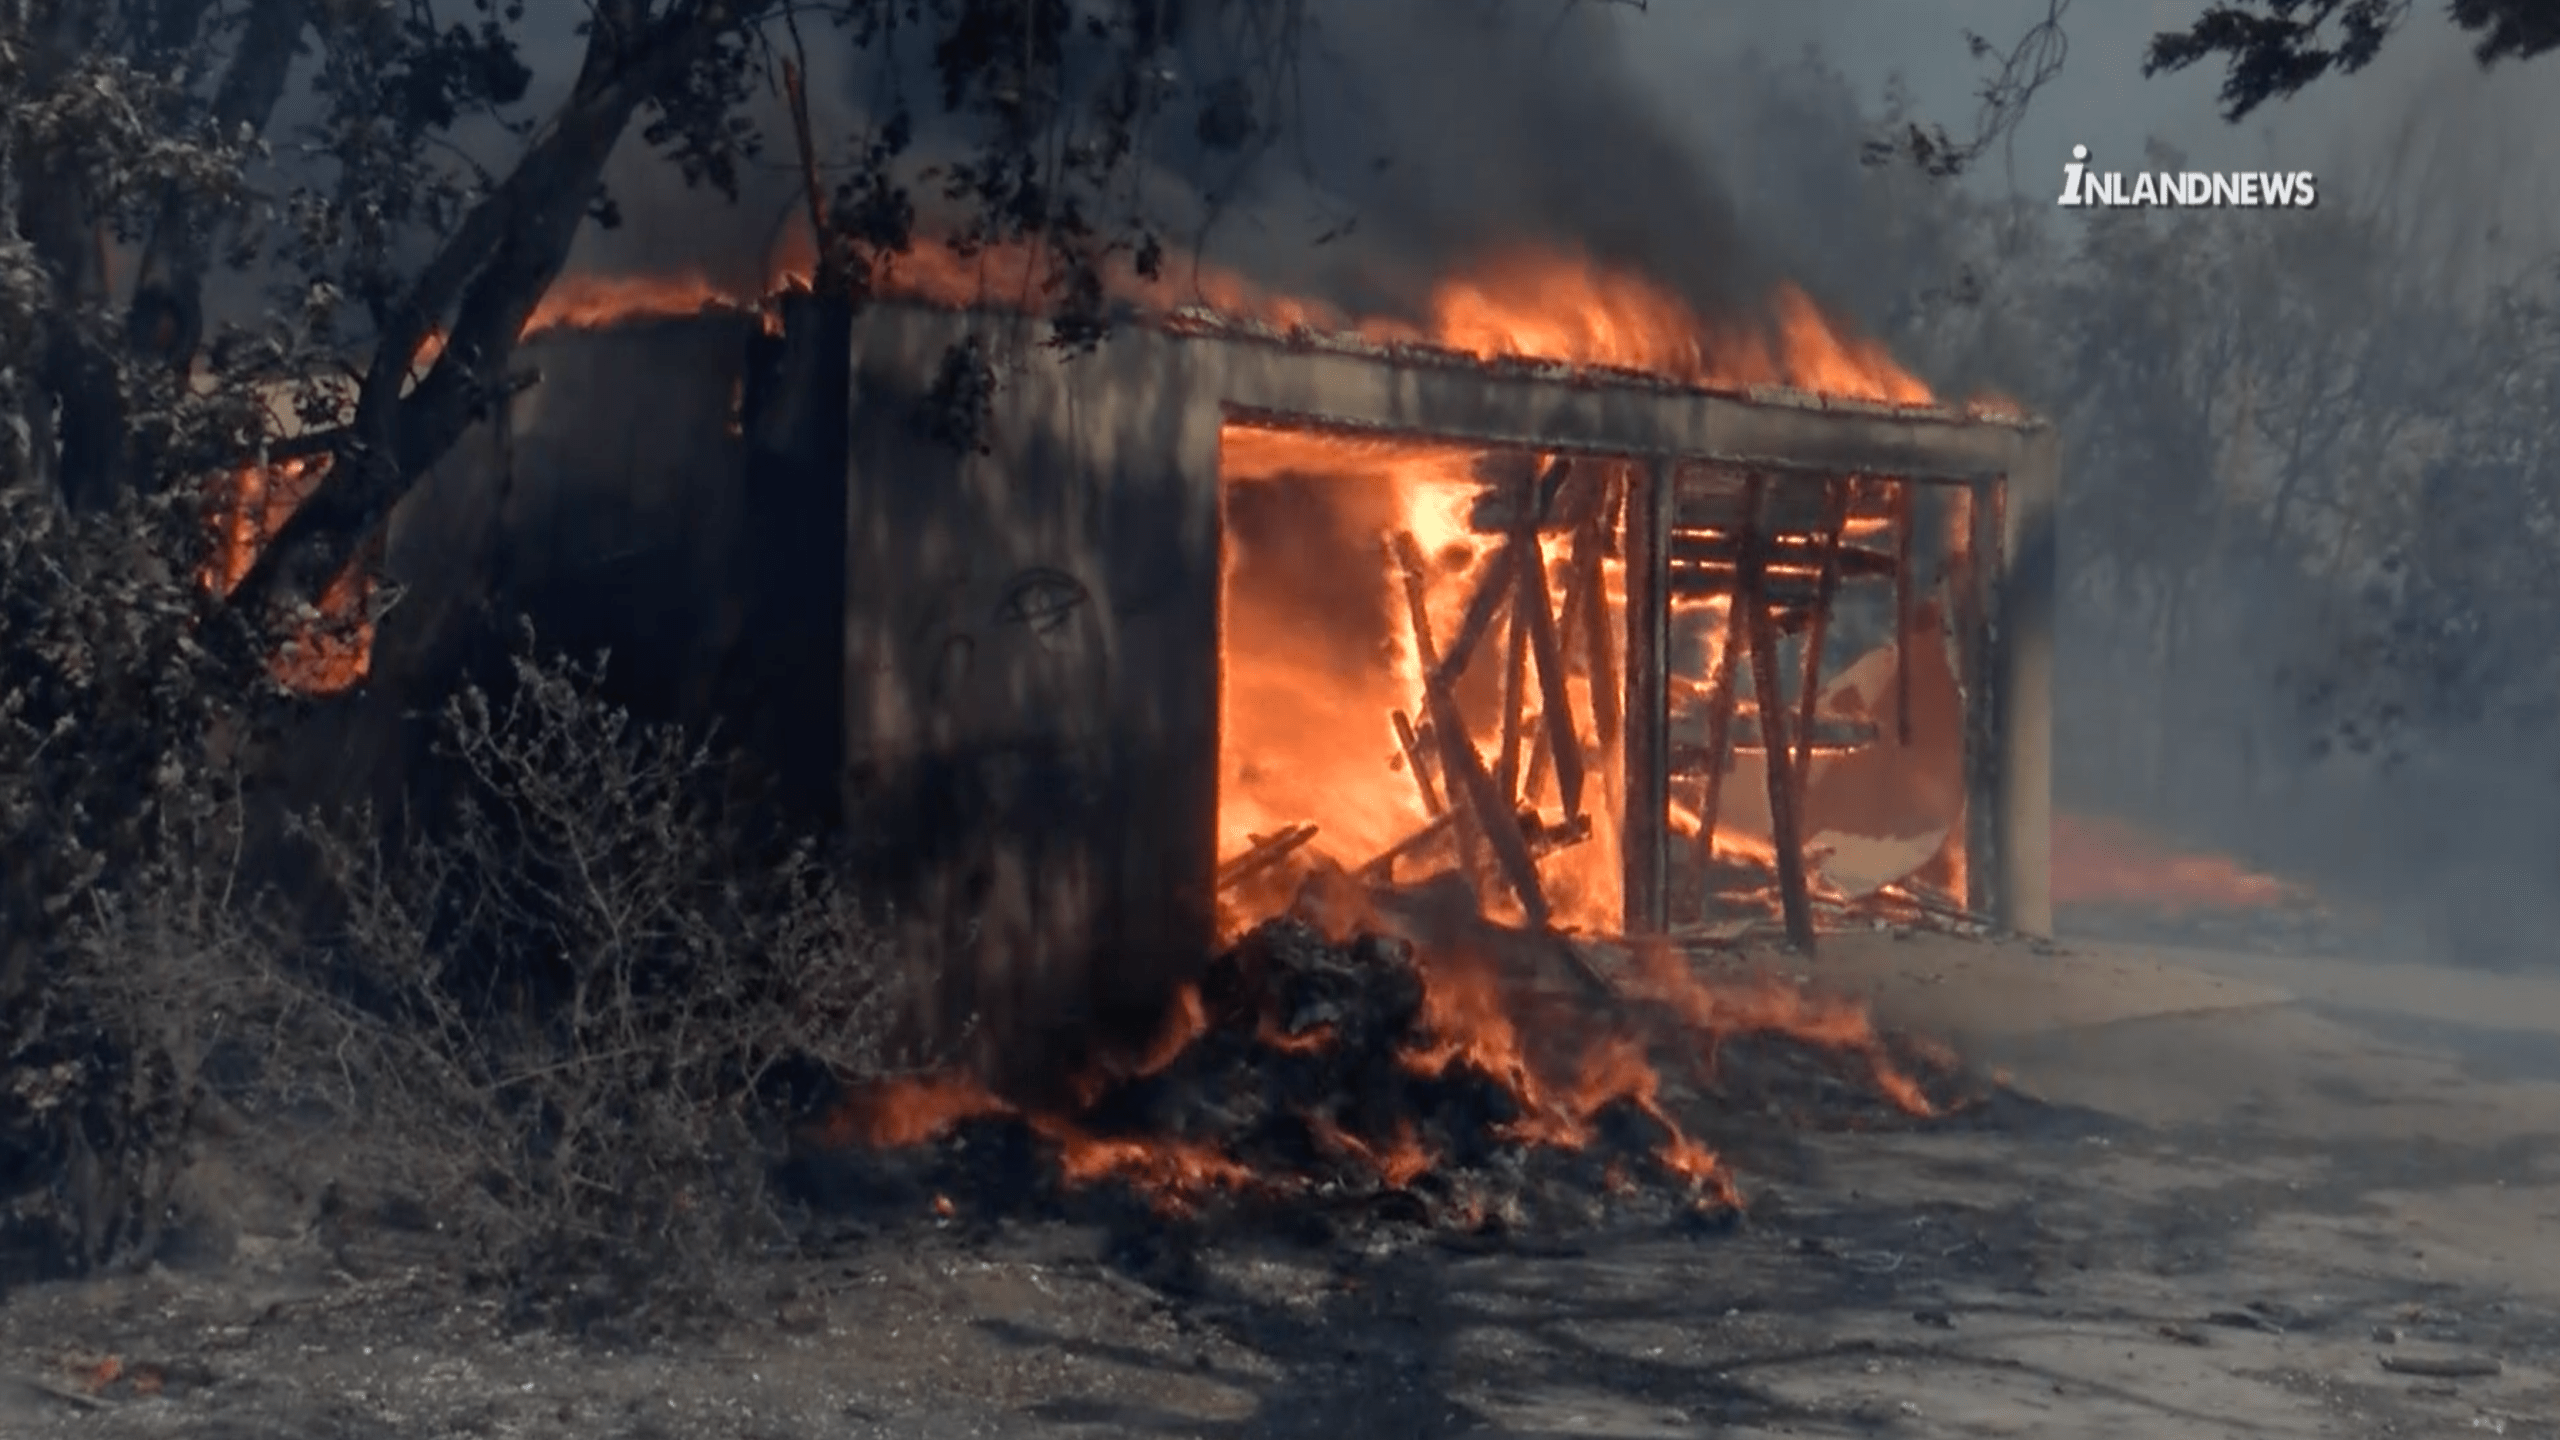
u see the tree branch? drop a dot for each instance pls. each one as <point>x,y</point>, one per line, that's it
<point>490,275</point>
<point>166,318</point>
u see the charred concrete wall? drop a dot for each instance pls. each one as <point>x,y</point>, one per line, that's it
<point>607,510</point>
<point>1031,669</point>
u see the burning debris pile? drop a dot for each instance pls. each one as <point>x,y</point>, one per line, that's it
<point>1481,1084</point>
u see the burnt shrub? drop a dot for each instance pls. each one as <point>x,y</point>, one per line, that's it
<point>562,1011</point>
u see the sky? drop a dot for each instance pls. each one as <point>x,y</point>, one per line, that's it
<point>2423,126</point>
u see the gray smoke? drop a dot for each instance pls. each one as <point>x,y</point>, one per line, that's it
<point>1442,130</point>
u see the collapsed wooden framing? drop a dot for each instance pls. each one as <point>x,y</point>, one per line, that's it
<point>1774,554</point>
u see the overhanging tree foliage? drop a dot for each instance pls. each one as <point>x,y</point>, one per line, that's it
<point>377,167</point>
<point>2272,49</point>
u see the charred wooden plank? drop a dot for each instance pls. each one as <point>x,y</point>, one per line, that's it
<point>1569,494</point>
<point>1786,590</point>
<point>1714,497</point>
<point>1715,549</point>
<point>1563,741</point>
<point>1717,754</point>
<point>1383,866</point>
<point>1487,811</point>
<point>1490,597</point>
<point>1559,738</point>
<point>1407,555</point>
<point>1415,762</point>
<point>1720,692</point>
<point>1495,585</point>
<point>1265,853</point>
<point>1932,903</point>
<point>1690,761</point>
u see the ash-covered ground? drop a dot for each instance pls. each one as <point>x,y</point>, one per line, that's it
<point>2211,1201</point>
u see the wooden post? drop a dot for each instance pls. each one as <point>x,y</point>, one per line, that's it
<point>1643,829</point>
<point>1785,835</point>
<point>1835,521</point>
<point>1974,581</point>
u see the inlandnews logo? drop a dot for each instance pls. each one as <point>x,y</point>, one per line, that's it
<point>2083,187</point>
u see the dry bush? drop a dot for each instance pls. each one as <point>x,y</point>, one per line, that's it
<point>579,1005</point>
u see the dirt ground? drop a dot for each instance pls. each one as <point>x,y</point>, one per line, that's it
<point>2230,1195</point>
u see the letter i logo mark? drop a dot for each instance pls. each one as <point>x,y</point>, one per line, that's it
<point>2073,177</point>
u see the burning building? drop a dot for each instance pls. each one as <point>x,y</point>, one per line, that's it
<point>1565,614</point>
<point>1616,623</point>
<point>1146,643</point>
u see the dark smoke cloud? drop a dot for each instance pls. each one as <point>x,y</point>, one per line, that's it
<point>1442,130</point>
<point>1425,135</point>
<point>1451,127</point>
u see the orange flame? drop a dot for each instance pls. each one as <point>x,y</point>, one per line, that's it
<point>1550,306</point>
<point>1521,303</point>
<point>1400,1161</point>
<point>1769,1006</point>
<point>1468,1017</point>
<point>2098,861</point>
<point>589,302</point>
<point>335,650</point>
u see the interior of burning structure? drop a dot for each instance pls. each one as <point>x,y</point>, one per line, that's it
<point>1431,651</point>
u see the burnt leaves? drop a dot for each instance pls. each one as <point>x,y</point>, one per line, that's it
<point>699,124</point>
<point>959,411</point>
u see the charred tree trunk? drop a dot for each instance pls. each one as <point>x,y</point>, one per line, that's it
<point>165,320</point>
<point>95,457</point>
<point>57,218</point>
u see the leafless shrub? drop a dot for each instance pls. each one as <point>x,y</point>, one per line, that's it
<point>568,1009</point>
<point>574,1004</point>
